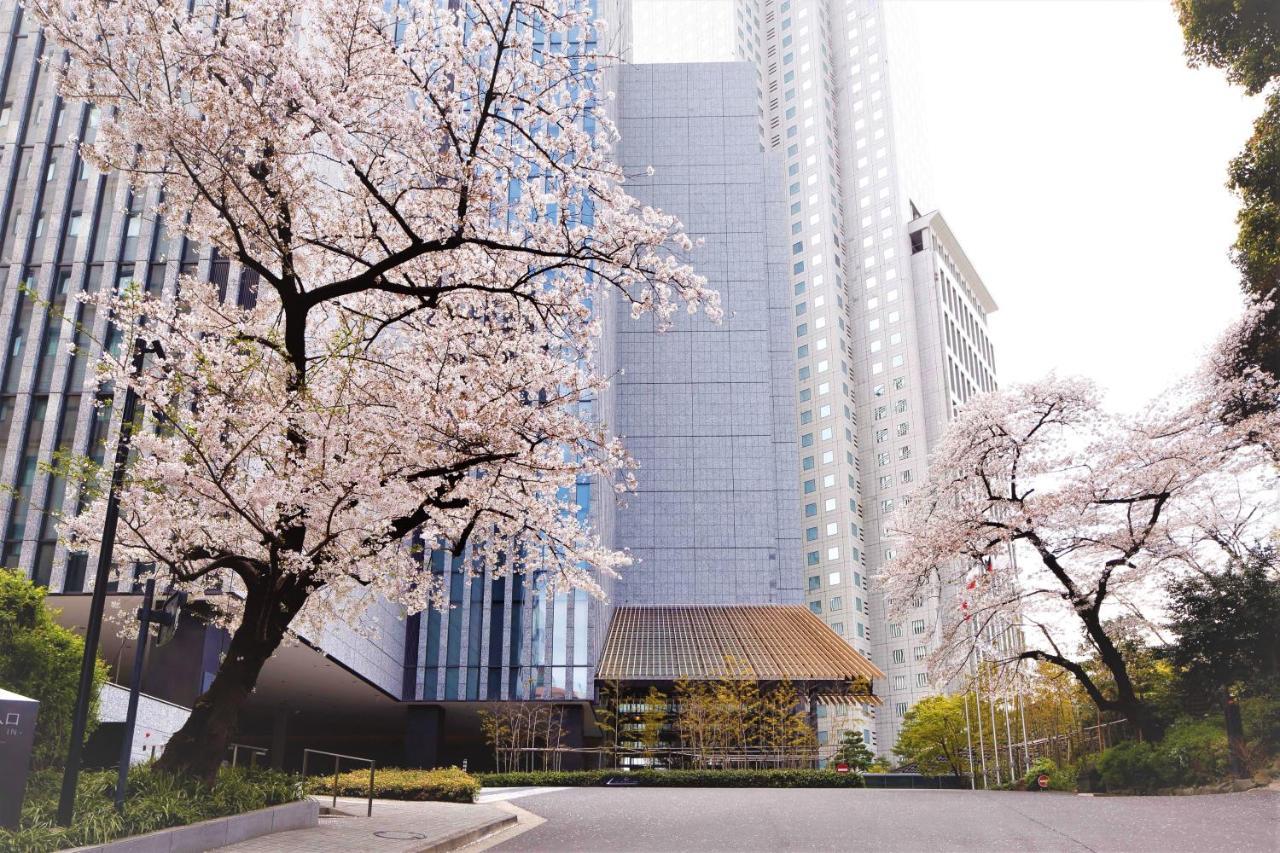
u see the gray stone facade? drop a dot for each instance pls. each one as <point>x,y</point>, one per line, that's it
<point>706,408</point>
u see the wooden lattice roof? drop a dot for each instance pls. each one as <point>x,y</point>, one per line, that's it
<point>758,642</point>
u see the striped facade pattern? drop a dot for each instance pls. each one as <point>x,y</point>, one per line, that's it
<point>67,230</point>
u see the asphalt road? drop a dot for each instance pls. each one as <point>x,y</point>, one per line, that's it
<point>603,820</point>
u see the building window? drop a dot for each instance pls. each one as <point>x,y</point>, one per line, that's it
<point>917,626</point>
<point>815,607</point>
<point>899,656</point>
<point>835,604</point>
<point>815,582</point>
<point>895,629</point>
<point>901,709</point>
<point>919,652</point>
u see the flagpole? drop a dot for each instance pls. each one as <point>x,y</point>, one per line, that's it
<point>1022,715</point>
<point>977,701</point>
<point>995,736</point>
<point>1008,741</point>
<point>968,739</point>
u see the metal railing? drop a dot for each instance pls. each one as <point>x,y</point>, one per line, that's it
<point>254,752</point>
<point>337,760</point>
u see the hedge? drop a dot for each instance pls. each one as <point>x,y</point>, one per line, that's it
<point>156,801</point>
<point>449,785</point>
<point>678,778</point>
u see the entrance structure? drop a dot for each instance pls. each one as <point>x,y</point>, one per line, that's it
<point>729,686</point>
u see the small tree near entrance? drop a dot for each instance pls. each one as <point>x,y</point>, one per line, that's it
<point>853,751</point>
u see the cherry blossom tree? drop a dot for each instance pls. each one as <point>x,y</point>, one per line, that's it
<point>425,192</point>
<point>1096,509</point>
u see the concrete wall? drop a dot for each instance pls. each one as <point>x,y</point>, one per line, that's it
<point>156,722</point>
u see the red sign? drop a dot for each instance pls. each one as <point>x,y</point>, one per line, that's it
<point>842,768</point>
<point>1042,780</point>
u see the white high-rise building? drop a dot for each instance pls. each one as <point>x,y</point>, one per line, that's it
<point>890,316</point>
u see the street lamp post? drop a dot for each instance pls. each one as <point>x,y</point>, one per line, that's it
<point>93,630</point>
<point>135,688</point>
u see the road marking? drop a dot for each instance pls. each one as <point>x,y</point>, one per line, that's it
<point>499,795</point>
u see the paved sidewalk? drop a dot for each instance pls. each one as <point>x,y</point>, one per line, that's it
<point>395,827</point>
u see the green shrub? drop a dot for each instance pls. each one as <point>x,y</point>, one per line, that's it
<point>41,660</point>
<point>1088,779</point>
<point>1196,751</point>
<point>1060,778</point>
<point>449,785</point>
<point>1260,716</point>
<point>1135,766</point>
<point>680,778</point>
<point>156,801</point>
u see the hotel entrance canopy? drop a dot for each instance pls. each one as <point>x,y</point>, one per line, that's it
<point>710,643</point>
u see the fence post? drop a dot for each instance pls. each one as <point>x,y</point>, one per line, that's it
<point>336,759</point>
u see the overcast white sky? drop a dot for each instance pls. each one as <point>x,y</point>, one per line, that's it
<point>1088,184</point>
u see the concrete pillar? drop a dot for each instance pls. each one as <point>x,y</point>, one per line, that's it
<point>572,737</point>
<point>424,736</point>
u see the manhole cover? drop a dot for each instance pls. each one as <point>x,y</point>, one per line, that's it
<point>397,835</point>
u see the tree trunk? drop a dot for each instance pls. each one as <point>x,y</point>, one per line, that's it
<point>199,747</point>
<point>1235,736</point>
<point>1126,701</point>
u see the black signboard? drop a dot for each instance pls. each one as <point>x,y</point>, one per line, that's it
<point>17,732</point>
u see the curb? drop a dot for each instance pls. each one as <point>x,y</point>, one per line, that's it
<point>218,832</point>
<point>463,837</point>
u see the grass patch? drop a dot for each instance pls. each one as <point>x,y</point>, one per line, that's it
<point>680,778</point>
<point>156,801</point>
